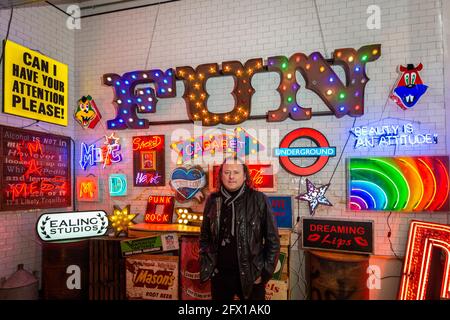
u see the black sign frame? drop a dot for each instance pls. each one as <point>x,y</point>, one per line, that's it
<point>329,237</point>
<point>17,156</point>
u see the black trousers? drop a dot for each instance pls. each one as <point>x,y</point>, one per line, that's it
<point>226,286</point>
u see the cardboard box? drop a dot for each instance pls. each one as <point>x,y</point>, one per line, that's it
<point>277,290</point>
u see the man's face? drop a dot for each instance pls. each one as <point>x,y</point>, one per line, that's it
<point>233,176</point>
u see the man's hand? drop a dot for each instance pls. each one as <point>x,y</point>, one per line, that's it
<point>258,281</point>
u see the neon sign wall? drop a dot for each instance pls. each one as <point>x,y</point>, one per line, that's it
<point>342,99</point>
<point>399,184</point>
<point>423,238</point>
<point>391,135</point>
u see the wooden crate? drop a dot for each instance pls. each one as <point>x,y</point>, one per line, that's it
<point>58,272</point>
<point>107,270</point>
<point>285,237</point>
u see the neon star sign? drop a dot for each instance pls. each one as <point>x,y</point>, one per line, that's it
<point>423,238</point>
<point>106,154</point>
<point>342,98</point>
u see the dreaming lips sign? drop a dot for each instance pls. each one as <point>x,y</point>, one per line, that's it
<point>34,86</point>
<point>338,235</point>
<point>72,225</point>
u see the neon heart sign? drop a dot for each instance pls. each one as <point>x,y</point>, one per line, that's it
<point>187,183</point>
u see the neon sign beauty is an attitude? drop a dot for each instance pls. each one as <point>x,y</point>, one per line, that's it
<point>342,98</point>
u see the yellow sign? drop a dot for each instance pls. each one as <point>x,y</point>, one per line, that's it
<point>35,86</point>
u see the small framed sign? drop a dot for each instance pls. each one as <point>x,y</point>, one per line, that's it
<point>338,235</point>
<point>282,210</point>
<point>263,178</point>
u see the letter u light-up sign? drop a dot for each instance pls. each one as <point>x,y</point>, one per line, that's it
<point>423,238</point>
<point>408,184</point>
<point>342,99</point>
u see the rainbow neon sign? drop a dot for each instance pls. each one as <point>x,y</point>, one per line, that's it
<point>399,184</point>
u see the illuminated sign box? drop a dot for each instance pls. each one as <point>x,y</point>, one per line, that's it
<point>263,178</point>
<point>338,235</point>
<point>159,209</point>
<point>72,225</point>
<point>425,240</point>
<point>117,185</point>
<point>407,184</point>
<point>34,85</point>
<point>36,170</point>
<point>148,161</point>
<point>87,189</point>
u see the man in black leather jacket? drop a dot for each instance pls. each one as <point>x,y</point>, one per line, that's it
<point>239,242</point>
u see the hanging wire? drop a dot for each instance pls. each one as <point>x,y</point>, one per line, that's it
<point>7,33</point>
<point>151,39</point>
<point>320,28</point>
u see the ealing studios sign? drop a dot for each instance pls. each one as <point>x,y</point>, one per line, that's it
<point>72,225</point>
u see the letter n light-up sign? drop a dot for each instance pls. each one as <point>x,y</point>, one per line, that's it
<point>159,209</point>
<point>148,161</point>
<point>423,238</point>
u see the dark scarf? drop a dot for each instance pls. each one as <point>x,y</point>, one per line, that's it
<point>229,199</point>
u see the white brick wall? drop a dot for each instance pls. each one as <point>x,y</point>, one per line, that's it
<point>42,28</point>
<point>194,32</point>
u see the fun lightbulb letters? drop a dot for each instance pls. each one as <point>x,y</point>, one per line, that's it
<point>341,98</point>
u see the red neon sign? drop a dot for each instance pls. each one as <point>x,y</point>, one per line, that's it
<point>148,161</point>
<point>423,238</point>
<point>313,135</point>
<point>159,209</point>
<point>262,177</point>
<point>87,189</point>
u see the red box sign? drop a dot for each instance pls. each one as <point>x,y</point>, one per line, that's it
<point>262,177</point>
<point>338,235</point>
<point>159,209</point>
<point>148,161</point>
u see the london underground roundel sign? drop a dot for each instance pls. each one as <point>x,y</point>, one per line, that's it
<point>322,152</point>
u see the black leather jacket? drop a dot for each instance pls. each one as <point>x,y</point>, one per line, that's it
<point>257,238</point>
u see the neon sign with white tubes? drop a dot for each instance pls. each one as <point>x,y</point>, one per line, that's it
<point>106,154</point>
<point>407,184</point>
<point>391,135</point>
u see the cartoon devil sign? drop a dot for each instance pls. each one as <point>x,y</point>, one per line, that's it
<point>409,87</point>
